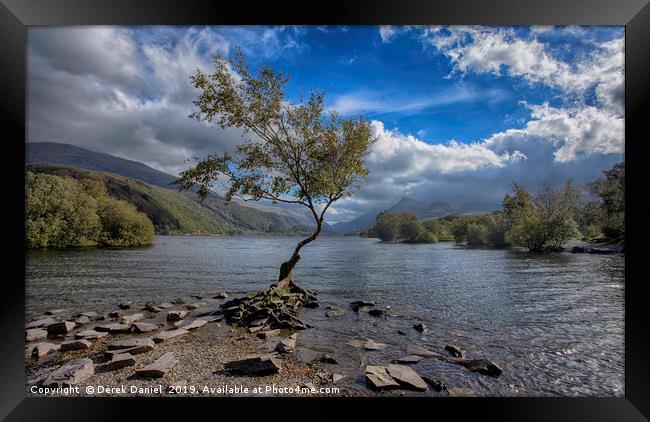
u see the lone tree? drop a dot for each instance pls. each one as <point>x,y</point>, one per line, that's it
<point>295,153</point>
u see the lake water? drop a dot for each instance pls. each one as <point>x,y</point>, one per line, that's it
<point>554,322</point>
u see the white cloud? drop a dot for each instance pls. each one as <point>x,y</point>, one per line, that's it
<point>501,51</point>
<point>388,101</point>
<point>387,32</point>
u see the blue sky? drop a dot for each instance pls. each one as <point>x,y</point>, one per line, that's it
<point>461,112</point>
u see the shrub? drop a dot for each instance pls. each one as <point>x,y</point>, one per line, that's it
<point>62,212</point>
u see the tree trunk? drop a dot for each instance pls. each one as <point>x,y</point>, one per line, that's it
<point>286,269</point>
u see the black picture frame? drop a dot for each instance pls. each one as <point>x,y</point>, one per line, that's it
<point>17,15</point>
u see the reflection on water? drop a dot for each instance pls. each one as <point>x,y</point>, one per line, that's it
<point>554,321</point>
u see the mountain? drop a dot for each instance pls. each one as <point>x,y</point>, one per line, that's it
<point>276,215</point>
<point>173,212</point>
<point>70,155</point>
<point>423,211</point>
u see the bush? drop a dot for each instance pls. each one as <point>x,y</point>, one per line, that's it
<point>58,213</point>
<point>62,212</point>
<point>477,234</point>
<point>427,237</point>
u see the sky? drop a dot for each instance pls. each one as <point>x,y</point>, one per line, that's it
<point>460,112</point>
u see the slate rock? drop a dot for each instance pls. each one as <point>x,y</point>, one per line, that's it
<point>114,328</point>
<point>79,344</point>
<point>119,361</point>
<point>221,295</point>
<point>377,378</point>
<point>435,383</point>
<point>408,359</point>
<point>334,313</point>
<point>372,345</point>
<point>168,335</point>
<point>176,315</point>
<point>125,305</point>
<point>455,351</point>
<point>255,365</point>
<point>145,327</point>
<point>61,327</point>
<point>40,350</point>
<point>407,377</point>
<point>197,305</point>
<point>192,325</point>
<point>90,334</point>
<point>130,319</point>
<point>71,373</point>
<point>482,366</point>
<point>35,334</point>
<point>357,305</point>
<point>55,312</point>
<point>159,368</point>
<point>266,334</point>
<point>378,312</point>
<point>286,345</point>
<point>461,392</point>
<point>412,349</point>
<point>327,359</point>
<point>40,323</point>
<point>131,343</point>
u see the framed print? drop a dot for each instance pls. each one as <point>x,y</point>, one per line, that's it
<point>414,202</point>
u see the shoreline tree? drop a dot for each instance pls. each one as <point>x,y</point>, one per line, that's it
<point>295,153</point>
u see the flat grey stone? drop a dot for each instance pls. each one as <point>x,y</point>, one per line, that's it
<point>461,392</point>
<point>166,305</point>
<point>266,334</point>
<point>160,367</point>
<point>255,365</point>
<point>455,351</point>
<point>408,359</point>
<point>61,327</point>
<point>55,312</point>
<point>35,334</point>
<point>39,323</point>
<point>130,319</point>
<point>197,305</point>
<point>114,328</point>
<point>407,377</point>
<point>40,350</point>
<point>168,335</point>
<point>412,349</point>
<point>221,295</point>
<point>482,366</point>
<point>130,343</point>
<point>125,305</point>
<point>176,315</point>
<point>83,319</point>
<point>71,373</point>
<point>286,345</point>
<point>119,361</point>
<point>79,344</point>
<point>377,378</point>
<point>192,325</point>
<point>90,334</point>
<point>145,327</point>
<point>435,383</point>
<point>356,343</point>
<point>372,345</point>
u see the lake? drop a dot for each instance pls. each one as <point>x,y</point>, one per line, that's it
<point>554,322</point>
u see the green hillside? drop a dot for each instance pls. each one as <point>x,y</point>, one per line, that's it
<point>173,212</point>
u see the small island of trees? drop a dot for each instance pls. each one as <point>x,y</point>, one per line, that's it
<point>63,212</point>
<point>542,222</point>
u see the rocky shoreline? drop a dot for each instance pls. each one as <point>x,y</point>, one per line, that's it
<point>202,349</point>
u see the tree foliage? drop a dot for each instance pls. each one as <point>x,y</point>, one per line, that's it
<point>62,212</point>
<point>295,153</point>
